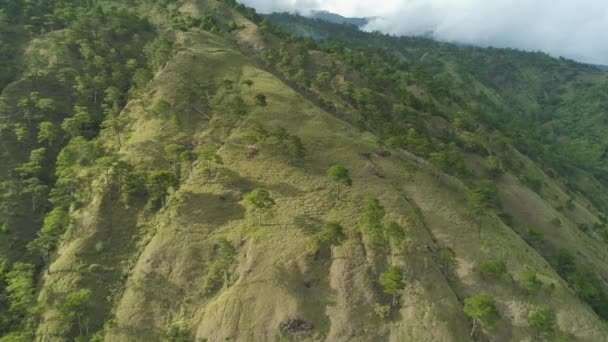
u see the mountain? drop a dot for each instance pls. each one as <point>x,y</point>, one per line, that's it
<point>193,171</point>
<point>601,67</point>
<point>338,19</point>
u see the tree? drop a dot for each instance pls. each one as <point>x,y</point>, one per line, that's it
<point>371,220</point>
<point>226,252</point>
<point>20,289</point>
<point>158,183</point>
<point>482,199</point>
<point>339,175</point>
<point>173,153</point>
<point>332,234</point>
<point>392,282</point>
<point>295,150</point>
<point>208,155</point>
<point>47,132</point>
<point>36,189</point>
<point>77,123</point>
<point>56,222</point>
<point>261,200</point>
<point>116,123</point>
<point>542,321</point>
<point>248,83</point>
<point>482,309</point>
<point>566,265</point>
<point>260,100</point>
<point>34,166</point>
<point>75,306</point>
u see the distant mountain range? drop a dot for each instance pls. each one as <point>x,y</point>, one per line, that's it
<point>601,67</point>
<point>338,19</point>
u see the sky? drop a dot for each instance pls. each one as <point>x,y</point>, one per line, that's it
<point>576,29</point>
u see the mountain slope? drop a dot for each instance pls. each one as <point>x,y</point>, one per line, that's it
<point>166,244</point>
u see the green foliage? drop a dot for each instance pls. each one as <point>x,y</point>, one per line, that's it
<point>371,220</point>
<point>482,308</point>
<point>55,224</point>
<point>173,153</point>
<point>533,183</point>
<point>208,156</point>
<point>158,183</point>
<point>75,307</point>
<point>392,281</point>
<point>260,100</point>
<point>396,233</point>
<point>218,270</point>
<point>483,198</point>
<point>20,289</point>
<point>295,150</point>
<point>529,282</point>
<point>382,311</point>
<point>589,288</point>
<point>77,124</point>
<point>332,234</point>
<point>542,321</point>
<point>47,133</point>
<point>178,332</point>
<point>565,263</point>
<point>535,237</point>
<point>261,201</point>
<point>158,51</point>
<point>492,269</point>
<point>450,161</point>
<point>493,166</point>
<point>340,176</point>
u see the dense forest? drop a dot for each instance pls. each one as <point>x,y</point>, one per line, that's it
<point>168,169</point>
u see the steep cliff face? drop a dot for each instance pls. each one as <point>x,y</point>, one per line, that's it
<point>189,257</point>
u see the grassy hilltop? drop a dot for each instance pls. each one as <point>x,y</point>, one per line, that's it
<point>164,177</point>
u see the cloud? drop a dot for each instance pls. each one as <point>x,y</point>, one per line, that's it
<point>576,29</point>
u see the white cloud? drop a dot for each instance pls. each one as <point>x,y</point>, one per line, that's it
<point>576,29</point>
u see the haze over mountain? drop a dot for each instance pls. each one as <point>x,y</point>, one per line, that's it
<point>573,29</point>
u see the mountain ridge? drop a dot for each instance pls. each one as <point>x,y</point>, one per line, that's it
<point>236,181</point>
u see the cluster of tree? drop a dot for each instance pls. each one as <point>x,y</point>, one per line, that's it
<point>56,119</point>
<point>218,272</point>
<point>373,225</point>
<point>482,199</point>
<point>279,141</point>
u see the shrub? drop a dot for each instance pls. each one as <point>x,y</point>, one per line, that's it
<point>382,311</point>
<point>482,309</point>
<point>542,321</point>
<point>493,166</point>
<point>492,269</point>
<point>528,281</point>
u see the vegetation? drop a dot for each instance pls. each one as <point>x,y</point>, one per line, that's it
<point>492,269</point>
<point>543,322</point>
<point>111,111</point>
<point>371,220</point>
<point>482,309</point>
<point>392,283</point>
<point>261,201</point>
<point>529,282</point>
<point>332,234</point>
<point>340,176</point>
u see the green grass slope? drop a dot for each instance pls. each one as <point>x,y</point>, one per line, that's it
<point>159,270</point>
<point>281,272</point>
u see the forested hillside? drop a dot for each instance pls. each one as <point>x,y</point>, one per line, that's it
<point>193,171</point>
